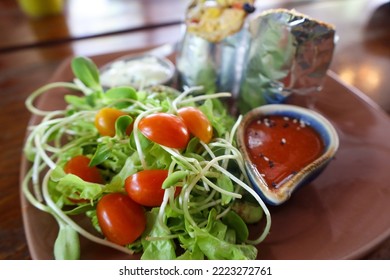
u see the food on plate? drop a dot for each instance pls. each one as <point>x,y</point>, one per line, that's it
<point>165,129</point>
<point>289,52</point>
<point>280,146</point>
<point>80,166</point>
<point>120,219</point>
<point>197,123</point>
<point>145,186</point>
<point>210,49</point>
<point>154,171</point>
<point>278,52</point>
<point>133,70</point>
<point>285,146</point>
<point>105,120</point>
<point>216,20</point>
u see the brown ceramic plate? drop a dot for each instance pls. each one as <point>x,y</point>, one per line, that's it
<point>343,214</point>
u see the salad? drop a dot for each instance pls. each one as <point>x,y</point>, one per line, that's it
<point>155,171</point>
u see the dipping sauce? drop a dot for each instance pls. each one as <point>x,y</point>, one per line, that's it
<point>281,146</point>
<point>138,72</point>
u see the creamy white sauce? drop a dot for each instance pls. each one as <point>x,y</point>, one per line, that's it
<point>139,72</point>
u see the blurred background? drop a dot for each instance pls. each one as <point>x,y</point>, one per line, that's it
<point>99,26</point>
<point>34,45</point>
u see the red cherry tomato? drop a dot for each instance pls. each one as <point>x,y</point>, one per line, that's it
<point>122,220</point>
<point>197,123</point>
<point>105,121</point>
<point>165,129</point>
<point>144,187</point>
<point>79,166</point>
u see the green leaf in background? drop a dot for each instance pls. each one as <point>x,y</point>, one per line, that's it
<point>102,153</point>
<point>67,244</point>
<point>231,236</point>
<point>216,112</point>
<point>250,212</point>
<point>145,142</point>
<point>234,221</point>
<point>225,183</point>
<point>217,249</point>
<point>212,242</point>
<point>163,249</point>
<point>174,178</point>
<point>77,101</point>
<point>194,254</point>
<point>156,157</point>
<point>86,71</point>
<point>74,187</point>
<point>57,174</point>
<point>119,93</point>
<point>121,126</point>
<point>118,180</point>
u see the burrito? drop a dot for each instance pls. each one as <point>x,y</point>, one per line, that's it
<point>289,52</point>
<point>216,20</point>
<point>213,41</point>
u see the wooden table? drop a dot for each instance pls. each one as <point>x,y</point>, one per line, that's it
<point>32,49</point>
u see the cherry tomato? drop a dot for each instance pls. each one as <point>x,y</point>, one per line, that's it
<point>197,123</point>
<point>165,129</point>
<point>79,166</point>
<point>105,121</point>
<point>122,220</point>
<point>144,187</point>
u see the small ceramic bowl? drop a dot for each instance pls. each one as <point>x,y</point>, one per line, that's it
<point>280,193</point>
<point>138,71</point>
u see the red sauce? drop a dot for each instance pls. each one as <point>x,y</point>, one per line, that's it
<point>279,147</point>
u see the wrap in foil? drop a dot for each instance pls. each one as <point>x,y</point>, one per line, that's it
<point>288,53</point>
<point>211,65</point>
<point>212,42</point>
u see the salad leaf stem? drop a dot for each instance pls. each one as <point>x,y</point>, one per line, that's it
<point>136,136</point>
<point>205,201</point>
<point>205,206</point>
<point>186,92</point>
<point>189,163</point>
<point>32,97</point>
<point>31,198</point>
<point>142,107</point>
<point>204,97</point>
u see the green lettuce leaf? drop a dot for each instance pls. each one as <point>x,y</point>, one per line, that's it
<point>163,249</point>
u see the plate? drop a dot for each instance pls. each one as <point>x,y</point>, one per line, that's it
<point>343,214</point>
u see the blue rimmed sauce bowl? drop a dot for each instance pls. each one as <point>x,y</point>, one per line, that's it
<point>284,147</point>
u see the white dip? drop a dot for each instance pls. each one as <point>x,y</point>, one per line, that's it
<point>139,72</point>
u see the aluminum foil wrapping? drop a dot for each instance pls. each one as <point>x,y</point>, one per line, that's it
<point>209,52</point>
<point>288,53</point>
<point>212,65</point>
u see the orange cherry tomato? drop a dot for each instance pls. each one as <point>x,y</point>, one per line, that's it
<point>121,220</point>
<point>105,121</point>
<point>165,129</point>
<point>197,123</point>
<point>79,166</point>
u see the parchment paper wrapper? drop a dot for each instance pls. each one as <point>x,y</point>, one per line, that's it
<point>288,53</point>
